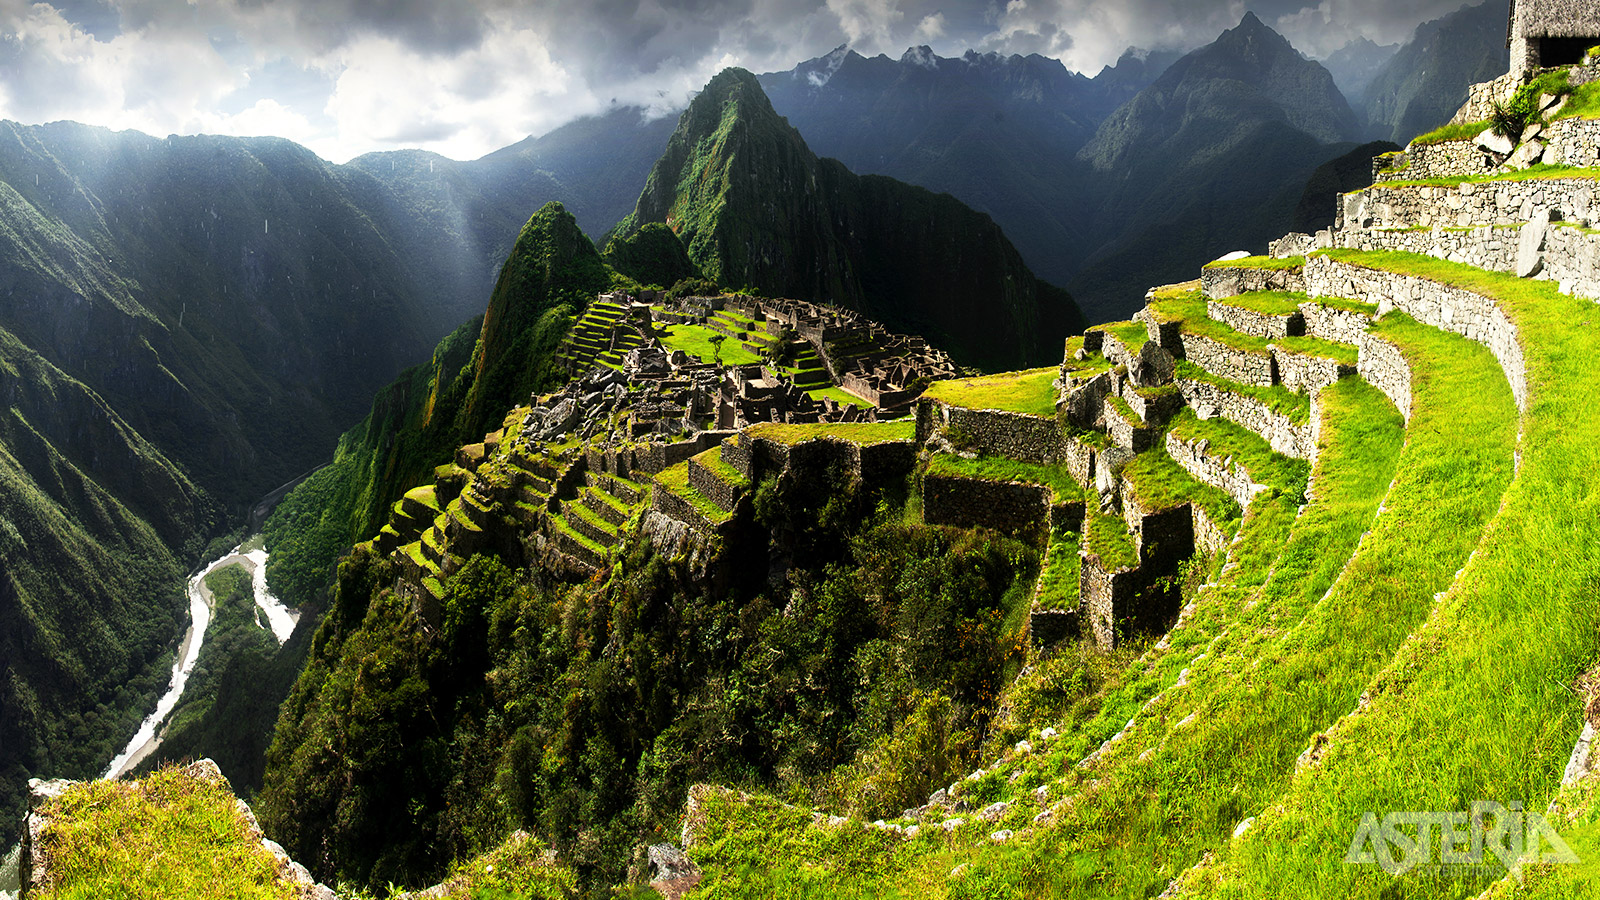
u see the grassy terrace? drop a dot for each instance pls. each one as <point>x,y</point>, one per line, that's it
<point>1247,448</point>
<point>1268,303</point>
<point>1277,398</point>
<point>1133,335</point>
<point>1160,483</point>
<point>172,835</point>
<point>1259,262</point>
<point>695,340</point>
<point>1478,697</point>
<point>838,394</point>
<point>864,433</point>
<point>1462,132</point>
<point>1108,538</point>
<point>1121,407</point>
<point>1030,392</point>
<point>1534,173</point>
<point>424,495</point>
<point>1347,304</point>
<point>676,480</point>
<point>1303,345</point>
<point>712,459</point>
<point>1058,581</point>
<point>1095,849</point>
<point>998,468</point>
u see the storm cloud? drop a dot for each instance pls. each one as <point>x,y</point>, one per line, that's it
<point>468,76</point>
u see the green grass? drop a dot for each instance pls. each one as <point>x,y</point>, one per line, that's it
<point>1347,304</point>
<point>1127,817</point>
<point>1107,537</point>
<point>712,459</point>
<point>1189,311</point>
<point>998,468</point>
<point>1247,449</point>
<point>1058,581</point>
<point>1032,392</point>
<point>170,836</point>
<point>695,340</point>
<point>1267,303</point>
<point>1132,335</point>
<point>1260,262</point>
<point>676,479</point>
<point>1582,103</point>
<point>864,433</point>
<point>565,527</point>
<point>1534,173</point>
<point>1279,399</point>
<point>1121,407</point>
<point>838,394</point>
<point>1159,483</point>
<point>1461,132</point>
<point>1304,345</point>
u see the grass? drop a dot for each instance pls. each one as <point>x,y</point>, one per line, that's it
<point>1107,538</point>
<point>1189,310</point>
<point>1304,345</point>
<point>838,394</point>
<point>1058,580</point>
<point>1247,449</point>
<point>999,468</point>
<point>1347,304</point>
<point>864,433</point>
<point>1460,132</point>
<point>676,479</point>
<point>171,835</point>
<point>712,459</point>
<point>1032,392</point>
<point>1159,483</point>
<point>1582,103</point>
<point>1267,303</point>
<point>695,340</point>
<point>1123,410</point>
<point>424,495</point>
<point>1259,262</point>
<point>1533,173</point>
<point>1279,399</point>
<point>1132,335</point>
<point>1116,838</point>
<point>562,525</point>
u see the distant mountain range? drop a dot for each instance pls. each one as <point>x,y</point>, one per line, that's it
<point>1423,84</point>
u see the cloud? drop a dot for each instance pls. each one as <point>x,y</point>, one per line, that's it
<point>464,77</point>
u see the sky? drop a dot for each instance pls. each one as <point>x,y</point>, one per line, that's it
<point>463,78</point>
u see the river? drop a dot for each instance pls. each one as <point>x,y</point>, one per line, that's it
<point>252,555</point>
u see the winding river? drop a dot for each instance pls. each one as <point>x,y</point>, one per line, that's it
<point>271,614</point>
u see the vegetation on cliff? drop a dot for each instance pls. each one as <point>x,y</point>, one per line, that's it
<point>754,206</point>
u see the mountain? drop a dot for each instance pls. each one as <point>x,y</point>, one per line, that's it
<point>754,206</point>
<point>1211,156</point>
<point>991,130</point>
<point>191,322</point>
<point>1340,175</point>
<point>1424,83</point>
<point>1354,65</point>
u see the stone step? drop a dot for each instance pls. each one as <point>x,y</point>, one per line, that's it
<point>1263,314</point>
<point>609,510</point>
<point>1279,416</point>
<point>576,546</point>
<point>1125,428</point>
<point>1216,451</point>
<point>584,521</point>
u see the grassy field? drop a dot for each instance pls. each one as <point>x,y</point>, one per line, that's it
<point>1032,392</point>
<point>695,340</point>
<point>839,394</point>
<point>170,836</point>
<point>999,468</point>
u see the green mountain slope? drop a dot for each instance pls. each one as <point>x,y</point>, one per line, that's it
<point>753,206</point>
<point>1424,84</point>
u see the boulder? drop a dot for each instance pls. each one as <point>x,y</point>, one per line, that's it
<point>1526,155</point>
<point>1495,143</point>
<point>1153,366</point>
<point>1530,245</point>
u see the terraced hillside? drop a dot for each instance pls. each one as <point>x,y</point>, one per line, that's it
<point>1383,457</point>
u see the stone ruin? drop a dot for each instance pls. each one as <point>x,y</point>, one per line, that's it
<point>1547,33</point>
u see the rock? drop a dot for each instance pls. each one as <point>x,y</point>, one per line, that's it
<point>1001,836</point>
<point>1080,355</point>
<point>1530,245</point>
<point>1047,734</point>
<point>1230,257</point>
<point>673,874</point>
<point>1023,748</point>
<point>1532,132</point>
<point>952,824</point>
<point>1548,102</point>
<point>1494,143</point>
<point>913,830</point>
<point>1153,366</point>
<point>994,811</point>
<point>1526,155</point>
<point>1244,826</point>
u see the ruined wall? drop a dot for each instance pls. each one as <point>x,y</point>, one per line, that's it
<point>1481,98</point>
<point>1445,159</point>
<point>1014,435</point>
<point>1384,367</point>
<point>1565,254</point>
<point>1008,506</point>
<point>1249,321</point>
<point>1330,323</point>
<point>1307,374</point>
<point>1470,204</point>
<point>1221,472</point>
<point>1447,308</point>
<point>1221,282</point>
<point>1275,428</point>
<point>1107,599</point>
<point>1243,366</point>
<point>707,482</point>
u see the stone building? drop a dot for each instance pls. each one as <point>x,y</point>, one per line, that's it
<point>1545,33</point>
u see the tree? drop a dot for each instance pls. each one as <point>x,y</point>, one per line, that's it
<point>716,347</point>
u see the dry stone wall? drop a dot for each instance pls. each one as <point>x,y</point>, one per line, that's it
<point>1566,254</point>
<point>1274,427</point>
<point>1481,98</point>
<point>1243,366</point>
<point>1222,282</point>
<point>1573,142</point>
<point>1446,159</point>
<point>1447,308</point>
<point>1008,506</point>
<point>1331,323</point>
<point>1221,472</point>
<point>1384,367</point>
<point>998,433</point>
<point>1307,374</point>
<point>1249,321</point>
<point>1470,204</point>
